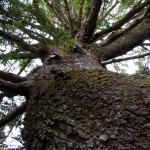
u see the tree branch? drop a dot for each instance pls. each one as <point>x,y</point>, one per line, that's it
<point>145,44</point>
<point>19,41</point>
<point>69,16</point>
<point>13,88</point>
<point>13,114</point>
<point>14,55</point>
<point>5,74</point>
<point>53,6</point>
<point>11,77</point>
<point>126,43</point>
<point>24,66</point>
<point>115,35</point>
<point>108,11</point>
<point>90,23</point>
<point>80,13</point>
<point>21,27</point>
<point>124,59</point>
<point>121,22</point>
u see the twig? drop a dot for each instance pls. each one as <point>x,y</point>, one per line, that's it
<point>24,66</point>
<point>16,39</point>
<point>124,59</point>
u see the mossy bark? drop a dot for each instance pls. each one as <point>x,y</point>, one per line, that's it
<point>90,110</point>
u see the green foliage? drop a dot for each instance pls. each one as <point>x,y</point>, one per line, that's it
<point>85,8</point>
<point>119,68</point>
<point>127,2</point>
<point>4,60</point>
<point>39,12</point>
<point>64,41</point>
<point>144,66</point>
<point>22,62</point>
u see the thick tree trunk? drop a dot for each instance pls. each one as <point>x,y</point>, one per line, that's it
<point>89,109</point>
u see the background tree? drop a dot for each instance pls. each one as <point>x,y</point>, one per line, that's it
<point>54,55</point>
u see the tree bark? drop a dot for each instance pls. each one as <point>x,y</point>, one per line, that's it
<point>72,103</point>
<point>89,109</point>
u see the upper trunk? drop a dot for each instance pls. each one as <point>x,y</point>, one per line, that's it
<point>88,109</point>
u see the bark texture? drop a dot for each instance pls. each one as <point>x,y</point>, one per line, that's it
<point>88,109</point>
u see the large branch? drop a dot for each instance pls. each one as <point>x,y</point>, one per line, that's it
<point>121,22</point>
<point>126,43</point>
<point>11,77</point>
<point>90,23</point>
<point>13,88</point>
<point>13,114</point>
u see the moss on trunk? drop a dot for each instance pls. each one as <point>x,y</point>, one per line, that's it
<point>90,109</point>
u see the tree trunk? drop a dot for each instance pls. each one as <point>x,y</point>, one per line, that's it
<point>88,109</point>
